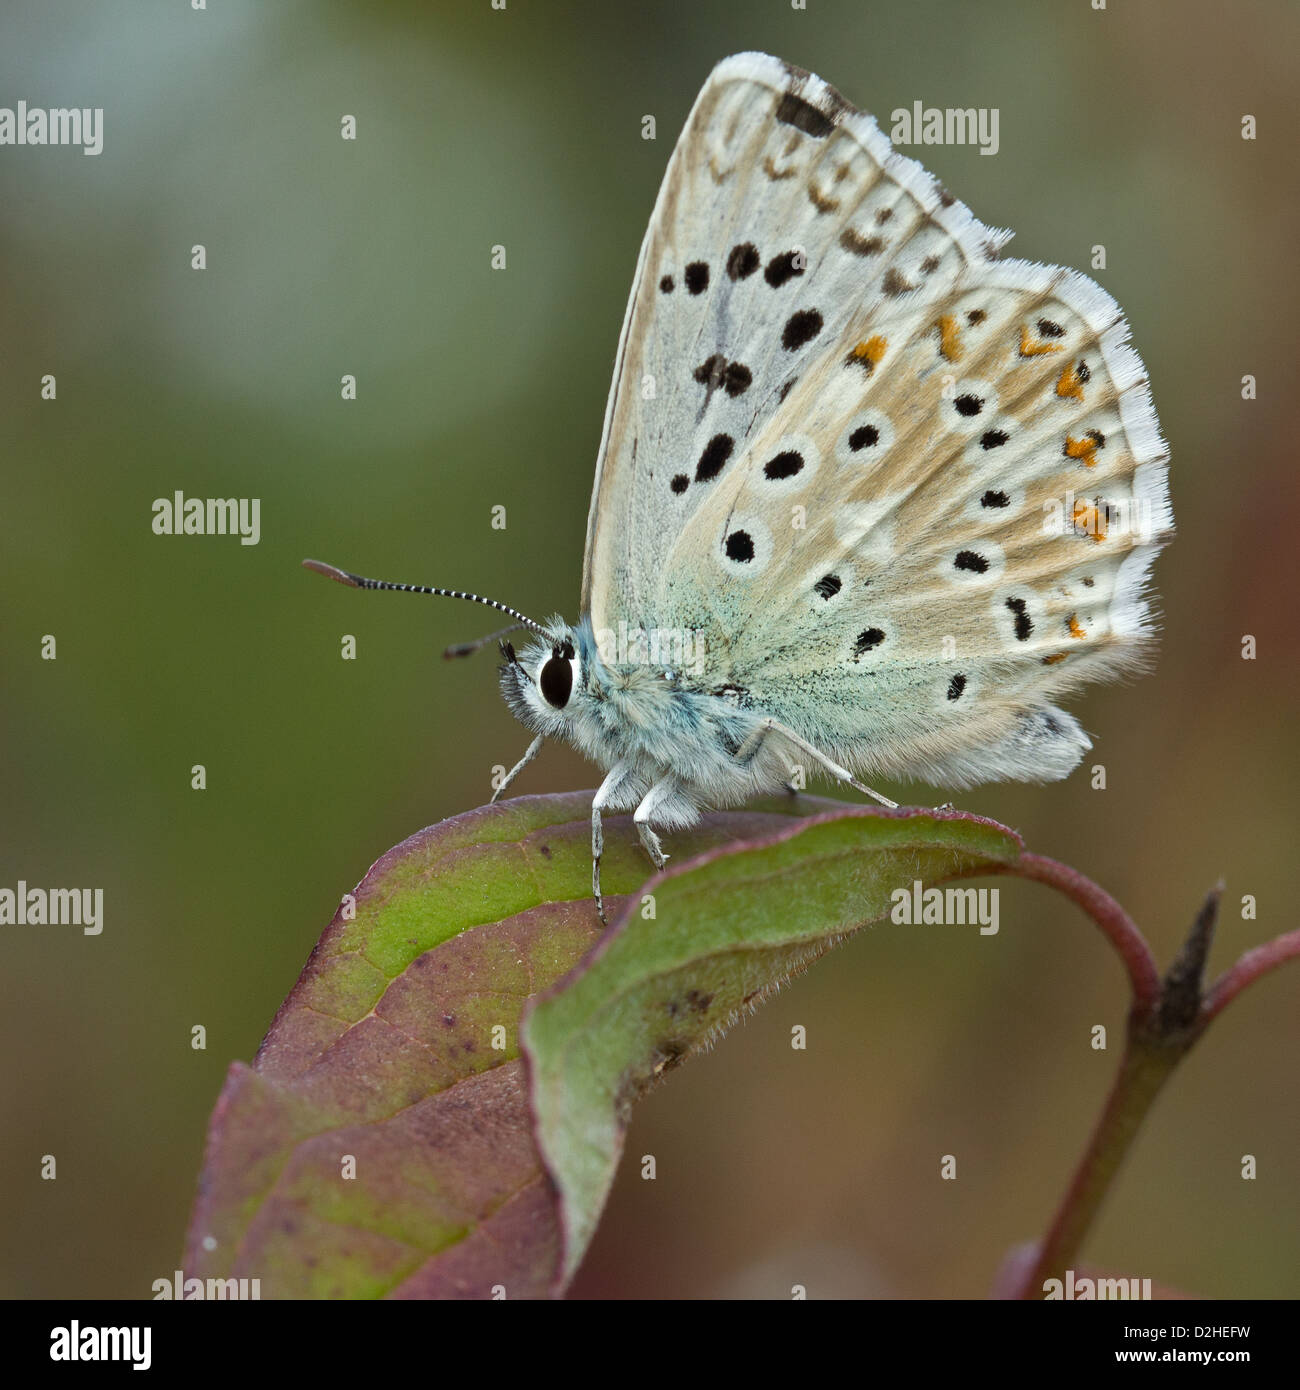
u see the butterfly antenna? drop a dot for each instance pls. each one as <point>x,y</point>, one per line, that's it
<point>355,581</point>
<point>469,648</point>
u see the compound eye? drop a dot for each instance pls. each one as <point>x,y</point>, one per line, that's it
<point>556,681</point>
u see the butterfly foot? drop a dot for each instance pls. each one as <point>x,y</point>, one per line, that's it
<point>652,846</point>
<point>947,806</point>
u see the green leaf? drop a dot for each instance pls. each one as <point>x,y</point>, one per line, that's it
<point>382,1143</point>
<point>728,928</point>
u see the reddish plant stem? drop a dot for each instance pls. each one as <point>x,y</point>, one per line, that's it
<point>1118,927</point>
<point>1163,1024</point>
<point>1248,968</point>
<point>1143,1070</point>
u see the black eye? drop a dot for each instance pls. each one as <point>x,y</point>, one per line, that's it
<point>556,681</point>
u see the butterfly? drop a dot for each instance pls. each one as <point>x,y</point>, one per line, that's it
<point>869,498</point>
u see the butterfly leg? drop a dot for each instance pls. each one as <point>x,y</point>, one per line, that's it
<point>661,791</point>
<point>533,749</point>
<point>745,753</point>
<point>607,794</point>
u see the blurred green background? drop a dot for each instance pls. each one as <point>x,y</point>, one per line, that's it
<point>476,388</point>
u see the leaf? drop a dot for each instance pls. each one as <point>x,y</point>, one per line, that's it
<point>728,928</point>
<point>381,1145</point>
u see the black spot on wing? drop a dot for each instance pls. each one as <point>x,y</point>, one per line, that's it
<point>828,586</point>
<point>803,115</point>
<point>716,452</point>
<point>1024,626</point>
<point>784,465</point>
<point>784,267</point>
<point>743,261</point>
<point>800,328</point>
<point>740,547</point>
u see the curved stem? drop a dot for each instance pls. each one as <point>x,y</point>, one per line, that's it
<point>1143,1070</point>
<point>1248,968</point>
<point>1118,927</point>
<point>1165,1021</point>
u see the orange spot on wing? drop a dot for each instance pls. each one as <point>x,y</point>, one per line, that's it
<point>1054,658</point>
<point>1089,519</point>
<point>1075,629</point>
<point>949,337</point>
<point>1070,383</point>
<point>1085,449</point>
<point>1029,348</point>
<point>871,351</point>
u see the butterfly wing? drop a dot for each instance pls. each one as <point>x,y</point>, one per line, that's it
<point>905,493</point>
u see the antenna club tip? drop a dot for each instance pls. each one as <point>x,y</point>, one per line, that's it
<point>331,572</point>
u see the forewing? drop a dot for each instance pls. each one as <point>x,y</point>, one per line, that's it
<point>905,493</point>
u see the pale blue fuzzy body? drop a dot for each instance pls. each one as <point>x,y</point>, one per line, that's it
<point>659,727</point>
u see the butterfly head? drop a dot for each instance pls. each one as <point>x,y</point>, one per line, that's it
<point>546,684</point>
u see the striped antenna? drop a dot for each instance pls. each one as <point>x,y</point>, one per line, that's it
<point>355,581</point>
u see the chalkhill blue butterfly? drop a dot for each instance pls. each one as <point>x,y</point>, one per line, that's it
<point>869,498</point>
